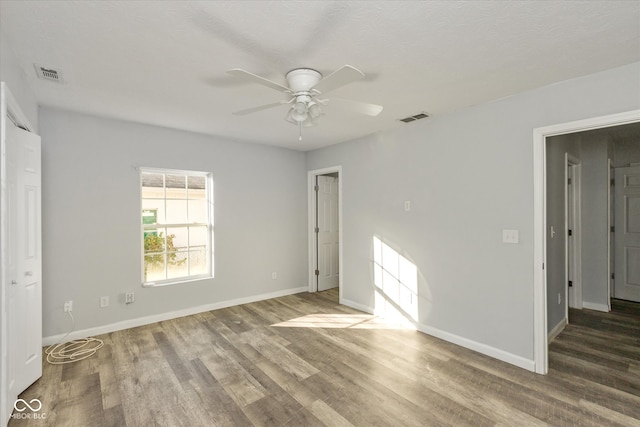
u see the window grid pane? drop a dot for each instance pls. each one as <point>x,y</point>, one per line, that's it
<point>177,232</point>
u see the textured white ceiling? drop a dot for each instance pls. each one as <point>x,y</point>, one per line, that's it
<point>164,62</point>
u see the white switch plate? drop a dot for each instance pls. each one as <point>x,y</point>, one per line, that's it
<point>104,302</point>
<point>407,205</point>
<point>274,275</point>
<point>510,236</point>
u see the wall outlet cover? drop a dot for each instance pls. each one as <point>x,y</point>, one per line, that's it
<point>104,301</point>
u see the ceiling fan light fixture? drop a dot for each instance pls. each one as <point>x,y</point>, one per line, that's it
<point>299,112</point>
<point>314,110</point>
<point>310,122</point>
<point>289,117</point>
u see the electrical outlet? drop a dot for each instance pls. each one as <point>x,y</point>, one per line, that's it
<point>104,302</point>
<point>274,275</point>
<point>129,297</point>
<point>68,306</point>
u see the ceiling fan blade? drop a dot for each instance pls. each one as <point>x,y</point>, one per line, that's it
<point>357,106</point>
<point>243,74</point>
<point>260,108</point>
<point>338,78</point>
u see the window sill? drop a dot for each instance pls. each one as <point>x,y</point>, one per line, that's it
<point>175,282</point>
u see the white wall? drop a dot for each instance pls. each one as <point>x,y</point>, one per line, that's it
<point>469,175</point>
<point>91,217</point>
<point>16,80</point>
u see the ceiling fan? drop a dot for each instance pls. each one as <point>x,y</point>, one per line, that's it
<point>305,88</point>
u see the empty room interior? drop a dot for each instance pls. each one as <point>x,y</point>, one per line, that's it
<point>320,213</point>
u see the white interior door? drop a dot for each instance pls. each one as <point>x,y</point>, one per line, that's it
<point>570,238</point>
<point>627,230</point>
<point>24,288</point>
<point>573,225</point>
<point>611,235</point>
<point>327,232</point>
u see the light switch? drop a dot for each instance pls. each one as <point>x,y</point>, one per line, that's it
<point>407,205</point>
<point>510,236</point>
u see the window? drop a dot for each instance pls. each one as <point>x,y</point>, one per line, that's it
<point>177,226</point>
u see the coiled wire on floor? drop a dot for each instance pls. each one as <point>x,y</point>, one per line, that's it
<point>72,351</point>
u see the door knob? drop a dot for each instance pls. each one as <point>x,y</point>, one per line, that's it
<point>28,273</point>
<point>13,282</point>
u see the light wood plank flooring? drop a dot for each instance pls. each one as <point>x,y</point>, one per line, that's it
<point>305,360</point>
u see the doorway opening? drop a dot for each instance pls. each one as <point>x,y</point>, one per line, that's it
<point>541,225</point>
<point>325,229</point>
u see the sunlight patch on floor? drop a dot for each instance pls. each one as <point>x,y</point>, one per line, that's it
<point>342,321</point>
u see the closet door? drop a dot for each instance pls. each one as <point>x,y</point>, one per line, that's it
<point>24,260</point>
<point>627,244</point>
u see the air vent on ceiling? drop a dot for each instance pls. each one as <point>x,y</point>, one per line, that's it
<point>414,118</point>
<point>48,73</point>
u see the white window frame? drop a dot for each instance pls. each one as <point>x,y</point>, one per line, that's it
<point>210,228</point>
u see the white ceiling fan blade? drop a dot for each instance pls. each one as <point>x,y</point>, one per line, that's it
<point>260,108</point>
<point>357,106</point>
<point>243,74</point>
<point>338,78</point>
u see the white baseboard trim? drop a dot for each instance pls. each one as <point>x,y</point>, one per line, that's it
<point>496,353</point>
<point>141,321</point>
<point>556,330</point>
<point>595,306</point>
<point>485,349</point>
<point>356,305</point>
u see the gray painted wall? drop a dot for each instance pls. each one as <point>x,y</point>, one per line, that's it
<point>556,148</point>
<point>91,217</point>
<point>626,151</point>
<point>469,175</point>
<point>594,152</point>
<point>16,80</point>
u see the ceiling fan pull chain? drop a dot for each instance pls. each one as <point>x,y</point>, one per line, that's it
<point>300,130</point>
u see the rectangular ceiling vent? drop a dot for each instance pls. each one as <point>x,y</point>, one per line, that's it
<point>48,73</point>
<point>414,118</point>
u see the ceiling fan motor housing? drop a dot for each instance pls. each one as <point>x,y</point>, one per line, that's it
<point>303,79</point>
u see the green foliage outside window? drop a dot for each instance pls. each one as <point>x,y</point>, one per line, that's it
<point>154,249</point>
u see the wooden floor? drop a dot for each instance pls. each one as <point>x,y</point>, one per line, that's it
<point>304,360</point>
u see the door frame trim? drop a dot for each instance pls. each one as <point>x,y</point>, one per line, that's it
<point>9,107</point>
<point>312,207</point>
<point>540,344</point>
